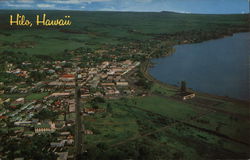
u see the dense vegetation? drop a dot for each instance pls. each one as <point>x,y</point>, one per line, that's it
<point>98,29</point>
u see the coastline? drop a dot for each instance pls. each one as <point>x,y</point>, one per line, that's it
<point>144,68</point>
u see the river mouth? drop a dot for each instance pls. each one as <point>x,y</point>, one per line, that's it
<point>220,67</point>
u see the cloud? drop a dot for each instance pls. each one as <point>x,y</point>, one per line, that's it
<point>45,5</point>
<point>19,5</point>
<point>143,1</point>
<point>25,1</point>
<point>107,9</point>
<point>184,6</point>
<point>74,1</point>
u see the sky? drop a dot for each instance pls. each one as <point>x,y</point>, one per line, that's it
<point>182,6</point>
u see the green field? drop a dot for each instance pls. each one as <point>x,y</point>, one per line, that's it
<point>94,29</point>
<point>165,128</point>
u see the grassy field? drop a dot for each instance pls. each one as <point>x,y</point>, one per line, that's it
<point>175,129</point>
<point>36,96</point>
<point>94,29</point>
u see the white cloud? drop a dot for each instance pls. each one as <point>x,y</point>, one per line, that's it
<point>107,9</point>
<point>25,1</point>
<point>19,5</point>
<point>45,5</point>
<point>143,1</point>
<point>74,1</point>
<point>181,11</point>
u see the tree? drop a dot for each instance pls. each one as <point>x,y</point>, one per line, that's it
<point>183,86</point>
<point>37,76</point>
<point>144,83</point>
<point>46,114</point>
<point>95,106</point>
<point>98,100</point>
<point>109,108</point>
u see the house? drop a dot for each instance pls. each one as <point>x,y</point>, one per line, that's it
<point>117,78</point>
<point>9,66</point>
<point>103,76</point>
<point>79,76</point>
<point>112,92</point>
<point>187,95</point>
<point>88,132</point>
<point>98,94</point>
<point>71,104</point>
<point>67,77</point>
<point>3,117</point>
<point>55,83</point>
<point>122,83</point>
<point>111,72</point>
<point>23,90</point>
<point>7,100</point>
<point>110,78</point>
<point>70,141</point>
<point>107,84</point>
<point>58,144</point>
<point>59,94</point>
<point>19,101</point>
<point>22,123</point>
<point>51,71</point>
<point>89,110</point>
<point>19,158</point>
<point>85,95</point>
<point>13,89</point>
<point>106,63</point>
<point>41,128</point>
<point>127,62</point>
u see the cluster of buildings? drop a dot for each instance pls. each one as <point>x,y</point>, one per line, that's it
<point>107,79</point>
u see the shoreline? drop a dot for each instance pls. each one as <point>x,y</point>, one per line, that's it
<point>145,70</point>
<point>148,76</point>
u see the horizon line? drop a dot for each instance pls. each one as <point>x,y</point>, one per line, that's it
<point>121,11</point>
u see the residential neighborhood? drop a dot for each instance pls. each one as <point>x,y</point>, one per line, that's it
<point>48,106</point>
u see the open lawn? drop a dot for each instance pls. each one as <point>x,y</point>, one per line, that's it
<point>36,96</point>
<point>168,126</point>
<point>166,107</point>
